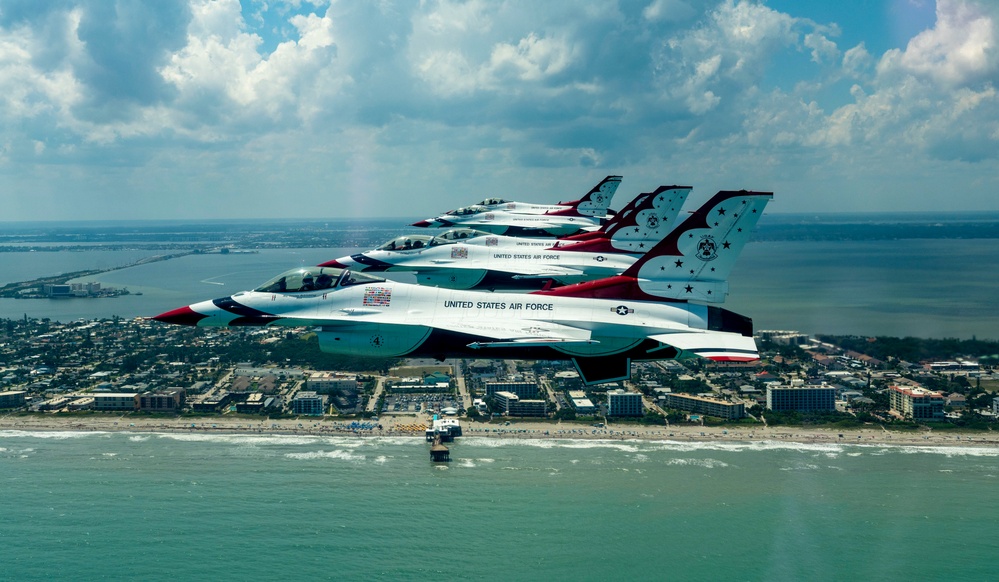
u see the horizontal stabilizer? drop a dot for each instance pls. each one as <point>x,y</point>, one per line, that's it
<point>713,345</point>
<point>530,343</point>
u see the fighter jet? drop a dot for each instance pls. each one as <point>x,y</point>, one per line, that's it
<point>522,219</point>
<point>601,326</point>
<point>467,259</point>
<point>594,203</point>
<point>641,223</point>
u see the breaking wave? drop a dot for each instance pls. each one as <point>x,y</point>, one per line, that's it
<point>334,454</point>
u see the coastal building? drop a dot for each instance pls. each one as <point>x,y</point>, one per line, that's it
<point>962,366</point>
<point>116,401</point>
<point>12,399</point>
<point>783,337</point>
<point>171,400</point>
<point>57,403</point>
<point>704,405</point>
<point>248,369</point>
<point>308,403</point>
<point>445,428</point>
<point>581,403</point>
<point>213,403</point>
<point>331,382</point>
<point>85,403</point>
<point>255,403</point>
<point>521,389</point>
<point>568,380</point>
<point>528,407</point>
<point>801,398</point>
<point>913,403</point>
<point>57,291</point>
<point>513,405</point>
<point>621,403</point>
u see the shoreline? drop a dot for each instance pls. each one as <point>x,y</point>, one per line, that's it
<point>413,425</point>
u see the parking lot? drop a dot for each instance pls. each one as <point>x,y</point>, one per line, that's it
<point>420,403</point>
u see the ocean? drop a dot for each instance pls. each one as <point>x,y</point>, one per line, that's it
<point>140,506</point>
<point>908,287</point>
<point>152,506</point>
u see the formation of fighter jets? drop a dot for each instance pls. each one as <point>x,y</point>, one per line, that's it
<point>638,284</point>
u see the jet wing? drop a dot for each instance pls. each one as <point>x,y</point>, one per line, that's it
<point>713,345</point>
<point>546,272</point>
<point>517,333</point>
<point>526,271</point>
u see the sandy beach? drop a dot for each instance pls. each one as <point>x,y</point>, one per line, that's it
<point>414,425</point>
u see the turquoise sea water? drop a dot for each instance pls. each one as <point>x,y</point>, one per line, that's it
<point>135,506</point>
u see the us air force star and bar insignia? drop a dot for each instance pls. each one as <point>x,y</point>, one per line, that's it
<point>622,310</point>
<point>599,258</point>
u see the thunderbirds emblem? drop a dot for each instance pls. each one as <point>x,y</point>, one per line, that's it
<point>653,221</point>
<point>707,249</point>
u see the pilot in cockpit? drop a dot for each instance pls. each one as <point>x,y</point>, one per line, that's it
<point>323,281</point>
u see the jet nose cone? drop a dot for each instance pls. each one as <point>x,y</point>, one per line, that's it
<point>181,316</point>
<point>422,224</point>
<point>334,263</point>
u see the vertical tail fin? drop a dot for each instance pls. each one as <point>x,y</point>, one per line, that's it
<point>652,219</point>
<point>612,222</point>
<point>596,201</point>
<point>695,259</point>
<point>637,227</point>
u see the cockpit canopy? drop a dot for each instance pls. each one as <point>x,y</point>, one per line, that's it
<point>409,241</point>
<point>491,201</point>
<point>422,241</point>
<point>305,279</point>
<point>456,234</point>
<point>467,210</point>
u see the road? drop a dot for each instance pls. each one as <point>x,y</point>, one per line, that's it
<point>547,387</point>
<point>466,398</point>
<point>379,388</point>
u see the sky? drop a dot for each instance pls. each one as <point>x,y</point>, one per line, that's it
<point>205,109</point>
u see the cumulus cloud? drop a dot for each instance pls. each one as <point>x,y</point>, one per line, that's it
<point>936,96</point>
<point>244,99</point>
<point>960,49</point>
